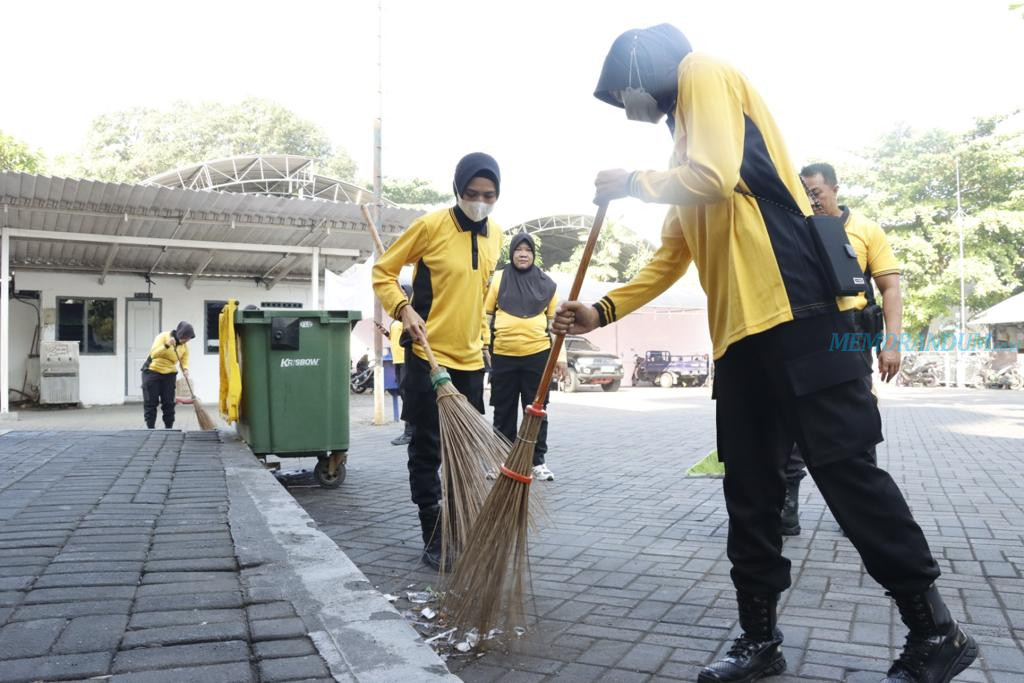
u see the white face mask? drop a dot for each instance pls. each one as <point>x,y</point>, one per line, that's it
<point>640,105</point>
<point>477,211</point>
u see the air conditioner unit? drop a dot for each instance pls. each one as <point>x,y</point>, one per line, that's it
<point>58,372</point>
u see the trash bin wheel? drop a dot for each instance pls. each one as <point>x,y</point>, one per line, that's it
<point>323,477</point>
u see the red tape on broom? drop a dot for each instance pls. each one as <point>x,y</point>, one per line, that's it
<point>511,474</point>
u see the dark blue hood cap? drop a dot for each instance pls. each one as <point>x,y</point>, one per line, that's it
<point>659,49</point>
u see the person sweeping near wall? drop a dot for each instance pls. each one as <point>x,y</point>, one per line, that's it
<point>454,252</point>
<point>520,305</point>
<point>160,371</point>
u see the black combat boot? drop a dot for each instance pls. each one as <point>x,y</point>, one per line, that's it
<point>430,524</point>
<point>791,508</point>
<point>937,649</point>
<point>756,654</point>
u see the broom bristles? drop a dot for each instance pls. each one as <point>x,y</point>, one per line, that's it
<point>470,448</point>
<point>202,416</point>
<point>492,575</point>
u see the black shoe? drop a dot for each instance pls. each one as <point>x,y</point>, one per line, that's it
<point>756,654</point>
<point>150,425</point>
<point>401,440</point>
<point>791,509</point>
<point>936,649</point>
<point>430,525</point>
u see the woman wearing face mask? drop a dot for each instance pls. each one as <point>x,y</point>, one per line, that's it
<point>454,252</point>
<point>520,305</point>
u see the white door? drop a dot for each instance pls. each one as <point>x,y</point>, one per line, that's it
<point>143,321</point>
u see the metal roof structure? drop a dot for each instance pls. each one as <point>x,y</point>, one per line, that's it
<point>282,175</point>
<point>559,235</point>
<point>69,224</point>
<point>1007,312</point>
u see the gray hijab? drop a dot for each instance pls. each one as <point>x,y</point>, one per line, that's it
<point>524,293</point>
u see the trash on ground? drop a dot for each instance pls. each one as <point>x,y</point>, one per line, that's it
<point>444,634</point>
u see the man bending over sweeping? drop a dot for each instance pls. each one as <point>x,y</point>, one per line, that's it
<point>738,212</point>
<point>454,252</point>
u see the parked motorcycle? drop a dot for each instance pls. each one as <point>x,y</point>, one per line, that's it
<point>1006,377</point>
<point>361,380</point>
<point>919,372</point>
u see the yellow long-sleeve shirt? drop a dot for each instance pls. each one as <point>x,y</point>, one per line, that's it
<point>868,239</point>
<point>755,257</point>
<point>449,283</point>
<point>162,355</point>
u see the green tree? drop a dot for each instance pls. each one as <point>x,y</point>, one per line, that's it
<point>133,144</point>
<point>907,182</point>
<point>413,191</point>
<point>15,155</point>
<point>619,254</point>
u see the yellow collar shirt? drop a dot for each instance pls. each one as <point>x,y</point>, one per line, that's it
<point>452,268</point>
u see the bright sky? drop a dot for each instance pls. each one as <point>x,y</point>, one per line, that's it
<point>514,79</point>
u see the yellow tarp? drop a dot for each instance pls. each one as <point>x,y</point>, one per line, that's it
<point>230,373</point>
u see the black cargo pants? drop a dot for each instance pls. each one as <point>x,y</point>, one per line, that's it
<point>419,409</point>
<point>784,386</point>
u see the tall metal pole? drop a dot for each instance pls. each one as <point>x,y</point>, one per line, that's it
<point>378,345</point>
<point>963,307</point>
<point>314,280</point>
<point>5,319</point>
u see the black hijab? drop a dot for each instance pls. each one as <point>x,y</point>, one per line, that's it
<point>474,165</point>
<point>524,293</point>
<point>183,332</point>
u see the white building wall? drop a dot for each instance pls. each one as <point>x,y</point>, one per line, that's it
<point>23,322</point>
<point>102,377</point>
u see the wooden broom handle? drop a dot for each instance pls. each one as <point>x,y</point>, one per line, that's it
<point>380,252</point>
<point>373,230</point>
<point>574,293</point>
<point>187,383</point>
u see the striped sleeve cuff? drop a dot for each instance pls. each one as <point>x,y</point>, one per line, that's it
<point>398,309</point>
<point>606,311</point>
<point>632,184</point>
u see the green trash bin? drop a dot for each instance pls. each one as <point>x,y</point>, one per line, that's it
<point>295,386</point>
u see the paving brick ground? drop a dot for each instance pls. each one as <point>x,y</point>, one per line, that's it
<point>157,556</point>
<point>630,574</point>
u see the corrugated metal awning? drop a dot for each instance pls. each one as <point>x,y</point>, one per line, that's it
<point>69,224</point>
<point>1006,312</point>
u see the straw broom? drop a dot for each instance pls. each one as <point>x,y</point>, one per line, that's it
<point>470,448</point>
<point>490,577</point>
<point>205,421</point>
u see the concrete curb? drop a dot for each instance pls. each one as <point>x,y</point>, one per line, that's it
<point>360,635</point>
